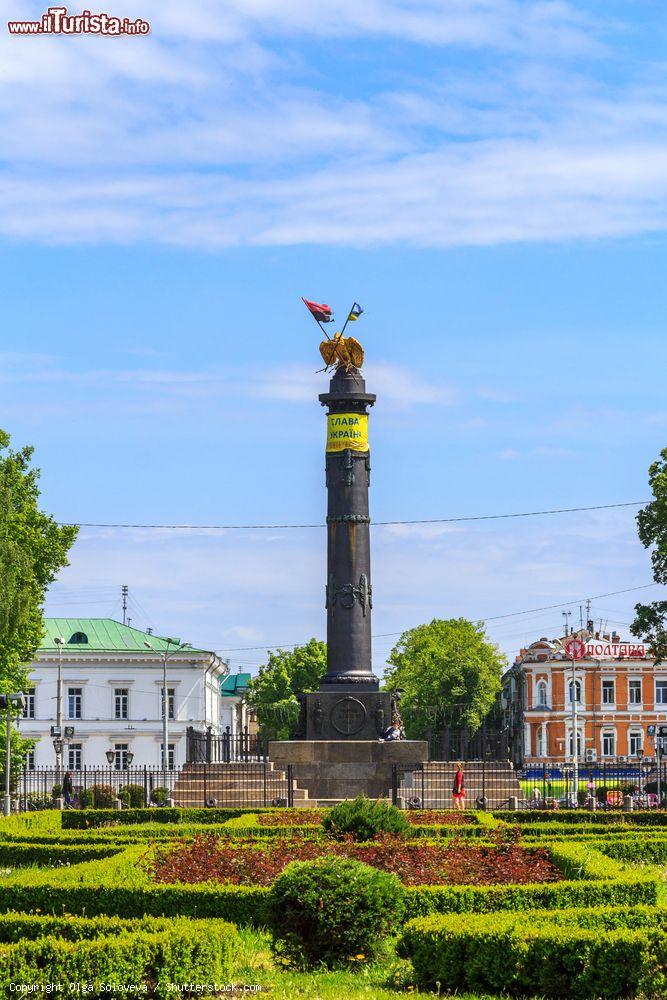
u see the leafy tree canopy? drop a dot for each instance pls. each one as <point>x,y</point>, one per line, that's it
<point>287,674</point>
<point>33,548</point>
<point>650,622</point>
<point>448,672</point>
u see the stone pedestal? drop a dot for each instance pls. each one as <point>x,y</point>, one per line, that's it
<point>336,713</point>
<point>332,770</point>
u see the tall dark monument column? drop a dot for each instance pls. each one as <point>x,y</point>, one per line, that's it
<point>349,704</point>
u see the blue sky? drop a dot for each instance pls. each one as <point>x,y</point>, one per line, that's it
<point>489,180</point>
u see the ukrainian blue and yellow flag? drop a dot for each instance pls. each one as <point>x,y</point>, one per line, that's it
<point>355,313</point>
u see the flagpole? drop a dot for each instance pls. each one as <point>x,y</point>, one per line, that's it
<point>317,321</point>
<point>348,318</point>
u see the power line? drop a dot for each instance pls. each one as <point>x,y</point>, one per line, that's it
<point>282,527</point>
<point>494,618</point>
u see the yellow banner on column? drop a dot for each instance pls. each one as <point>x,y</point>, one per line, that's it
<point>347,430</point>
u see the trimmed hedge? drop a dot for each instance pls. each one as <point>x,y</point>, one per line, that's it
<point>47,822</point>
<point>15,854</point>
<point>576,816</point>
<point>580,953</point>
<point>240,904</point>
<point>37,950</point>
<point>87,819</point>
<point>648,850</point>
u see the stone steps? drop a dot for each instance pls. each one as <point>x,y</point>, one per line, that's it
<point>234,785</point>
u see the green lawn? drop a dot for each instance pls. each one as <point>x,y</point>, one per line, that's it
<point>386,980</point>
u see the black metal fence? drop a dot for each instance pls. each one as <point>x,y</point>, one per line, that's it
<point>487,785</point>
<point>237,784</point>
<point>490,742</point>
<point>614,783</point>
<point>553,784</point>
<point>97,787</point>
<point>208,747</point>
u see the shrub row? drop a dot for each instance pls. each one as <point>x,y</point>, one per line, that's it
<point>30,823</point>
<point>15,854</point>
<point>143,954</point>
<point>647,850</point>
<point>576,816</point>
<point>87,819</point>
<point>246,905</point>
<point>238,828</point>
<point>580,953</point>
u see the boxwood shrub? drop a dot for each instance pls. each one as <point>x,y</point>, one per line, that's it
<point>333,910</point>
<point>579,953</point>
<point>576,816</point>
<point>16,854</point>
<point>87,819</point>
<point>146,954</point>
<point>364,819</point>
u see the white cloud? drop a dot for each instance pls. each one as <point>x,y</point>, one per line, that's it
<point>397,385</point>
<point>210,133</point>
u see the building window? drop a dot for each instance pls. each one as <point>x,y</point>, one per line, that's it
<point>608,693</point>
<point>171,755</point>
<point>29,760</point>
<point>635,692</point>
<point>74,757</point>
<point>635,742</point>
<point>29,707</point>
<point>609,744</point>
<point>74,699</point>
<point>661,692</point>
<point>121,699</point>
<point>570,747</point>
<point>542,694</point>
<point>542,741</point>
<point>171,698</point>
<point>577,689</point>
<point>120,751</point>
<point>77,638</point>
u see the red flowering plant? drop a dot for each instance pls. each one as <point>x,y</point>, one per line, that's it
<point>209,859</point>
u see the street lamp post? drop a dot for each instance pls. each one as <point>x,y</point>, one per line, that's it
<point>166,655</point>
<point>8,702</point>
<point>59,641</point>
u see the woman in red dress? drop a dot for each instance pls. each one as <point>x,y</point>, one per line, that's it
<point>459,789</point>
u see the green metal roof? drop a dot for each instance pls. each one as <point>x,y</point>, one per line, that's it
<point>103,635</point>
<point>234,684</point>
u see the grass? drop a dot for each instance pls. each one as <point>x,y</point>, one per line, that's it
<point>386,980</point>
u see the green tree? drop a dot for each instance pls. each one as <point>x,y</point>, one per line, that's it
<point>33,547</point>
<point>448,671</point>
<point>650,622</point>
<point>287,674</point>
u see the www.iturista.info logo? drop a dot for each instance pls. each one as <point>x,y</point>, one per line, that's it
<point>56,21</point>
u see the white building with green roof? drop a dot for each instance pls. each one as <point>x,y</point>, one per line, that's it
<point>112,682</point>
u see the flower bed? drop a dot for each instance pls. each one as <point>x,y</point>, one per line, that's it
<point>295,817</point>
<point>438,817</point>
<point>314,817</point>
<point>208,859</point>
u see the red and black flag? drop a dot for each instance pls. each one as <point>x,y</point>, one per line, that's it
<point>321,312</point>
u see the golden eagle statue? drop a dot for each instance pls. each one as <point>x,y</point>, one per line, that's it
<point>338,351</point>
<point>342,352</point>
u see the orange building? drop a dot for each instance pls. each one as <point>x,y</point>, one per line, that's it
<point>620,698</point>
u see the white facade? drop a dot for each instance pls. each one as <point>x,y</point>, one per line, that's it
<point>113,701</point>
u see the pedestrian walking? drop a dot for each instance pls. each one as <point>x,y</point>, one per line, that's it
<point>459,789</point>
